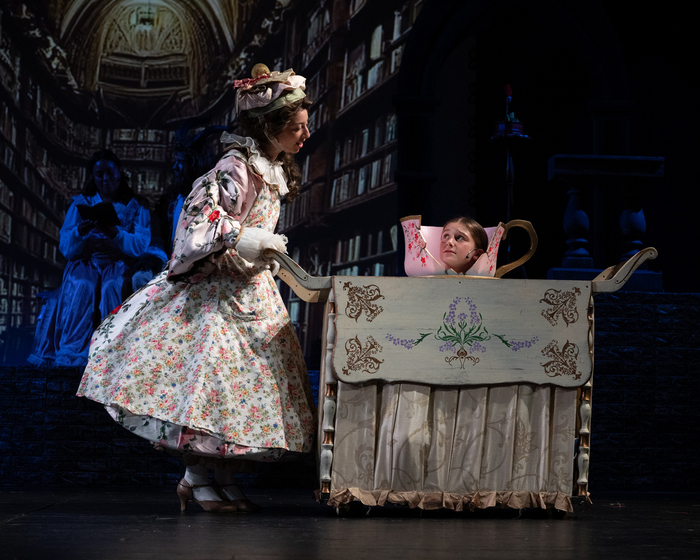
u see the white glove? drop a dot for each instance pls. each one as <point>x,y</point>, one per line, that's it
<point>253,241</point>
<point>274,267</point>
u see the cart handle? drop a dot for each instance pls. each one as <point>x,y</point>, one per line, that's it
<point>527,226</point>
<point>311,289</point>
<point>614,277</point>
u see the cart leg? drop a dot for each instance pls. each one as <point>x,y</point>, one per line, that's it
<point>329,391</point>
<point>584,450</point>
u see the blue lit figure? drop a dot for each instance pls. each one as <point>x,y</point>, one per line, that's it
<point>99,258</point>
<point>192,157</point>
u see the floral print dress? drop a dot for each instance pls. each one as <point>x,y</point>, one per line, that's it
<point>204,358</point>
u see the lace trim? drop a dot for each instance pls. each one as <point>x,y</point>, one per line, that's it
<point>270,171</point>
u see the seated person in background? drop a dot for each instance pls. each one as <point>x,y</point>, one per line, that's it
<point>99,256</point>
<point>462,242</point>
<point>192,157</point>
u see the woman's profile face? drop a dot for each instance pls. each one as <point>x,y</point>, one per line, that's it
<point>107,176</point>
<point>295,133</point>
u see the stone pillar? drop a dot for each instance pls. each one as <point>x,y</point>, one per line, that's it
<point>632,222</point>
<point>576,226</point>
<point>583,173</point>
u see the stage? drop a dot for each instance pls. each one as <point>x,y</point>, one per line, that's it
<point>89,523</point>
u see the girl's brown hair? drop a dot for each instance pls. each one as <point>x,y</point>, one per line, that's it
<point>270,126</point>
<point>478,233</point>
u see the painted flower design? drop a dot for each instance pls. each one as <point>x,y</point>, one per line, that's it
<point>416,245</point>
<point>463,334</point>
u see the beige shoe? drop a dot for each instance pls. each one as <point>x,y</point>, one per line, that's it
<point>243,505</point>
<point>185,491</point>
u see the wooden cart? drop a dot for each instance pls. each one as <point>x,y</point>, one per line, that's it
<point>455,392</point>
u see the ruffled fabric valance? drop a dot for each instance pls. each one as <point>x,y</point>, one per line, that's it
<point>453,501</point>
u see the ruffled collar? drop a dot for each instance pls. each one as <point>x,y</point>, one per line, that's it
<point>270,171</point>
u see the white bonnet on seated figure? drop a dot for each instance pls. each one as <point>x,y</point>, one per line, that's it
<point>262,93</point>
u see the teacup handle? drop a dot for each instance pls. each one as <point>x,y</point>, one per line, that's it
<point>527,226</point>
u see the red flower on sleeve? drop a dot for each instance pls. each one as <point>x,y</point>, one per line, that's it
<point>214,215</point>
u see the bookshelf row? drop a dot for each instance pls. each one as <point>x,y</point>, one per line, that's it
<point>377,57</point>
<point>19,287</point>
<point>373,269</point>
<point>73,136</point>
<point>364,140</point>
<point>354,183</point>
<point>317,33</point>
<point>294,212</point>
<point>8,155</point>
<point>320,114</point>
<point>366,246</point>
<point>316,84</point>
<point>358,80</point>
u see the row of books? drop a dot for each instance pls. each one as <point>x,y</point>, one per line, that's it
<point>6,196</point>
<point>366,245</point>
<point>74,136</point>
<point>5,226</point>
<point>33,242</point>
<point>74,176</point>
<point>319,116</point>
<point>365,139</point>
<point>317,32</point>
<point>316,84</point>
<point>355,182</point>
<point>38,219</point>
<point>365,65</point>
<point>7,124</point>
<point>7,156</point>
<point>293,212</point>
<point>375,269</point>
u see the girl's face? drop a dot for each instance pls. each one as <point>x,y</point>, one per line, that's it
<point>458,248</point>
<point>295,133</point>
<point>107,176</point>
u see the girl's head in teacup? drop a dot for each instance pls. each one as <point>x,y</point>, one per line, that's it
<point>462,242</point>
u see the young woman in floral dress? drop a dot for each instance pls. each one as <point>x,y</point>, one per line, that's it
<point>204,359</point>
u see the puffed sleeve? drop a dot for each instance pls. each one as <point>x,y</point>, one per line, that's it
<point>133,239</point>
<point>210,219</point>
<point>71,243</point>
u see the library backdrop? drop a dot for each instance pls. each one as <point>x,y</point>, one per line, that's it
<point>406,93</point>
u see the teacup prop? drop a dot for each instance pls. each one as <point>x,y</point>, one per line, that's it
<point>422,249</point>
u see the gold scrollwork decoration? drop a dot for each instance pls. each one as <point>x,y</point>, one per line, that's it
<point>563,362</point>
<point>562,304</point>
<point>362,298</point>
<point>362,358</point>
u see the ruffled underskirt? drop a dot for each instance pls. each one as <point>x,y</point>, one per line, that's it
<point>172,437</point>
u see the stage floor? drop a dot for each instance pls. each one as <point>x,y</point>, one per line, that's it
<point>95,523</point>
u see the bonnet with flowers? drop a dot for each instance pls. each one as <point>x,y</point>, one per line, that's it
<point>268,91</point>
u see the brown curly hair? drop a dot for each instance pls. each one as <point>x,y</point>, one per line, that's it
<point>272,125</point>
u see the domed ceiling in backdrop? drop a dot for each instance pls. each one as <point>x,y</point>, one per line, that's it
<point>145,63</point>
